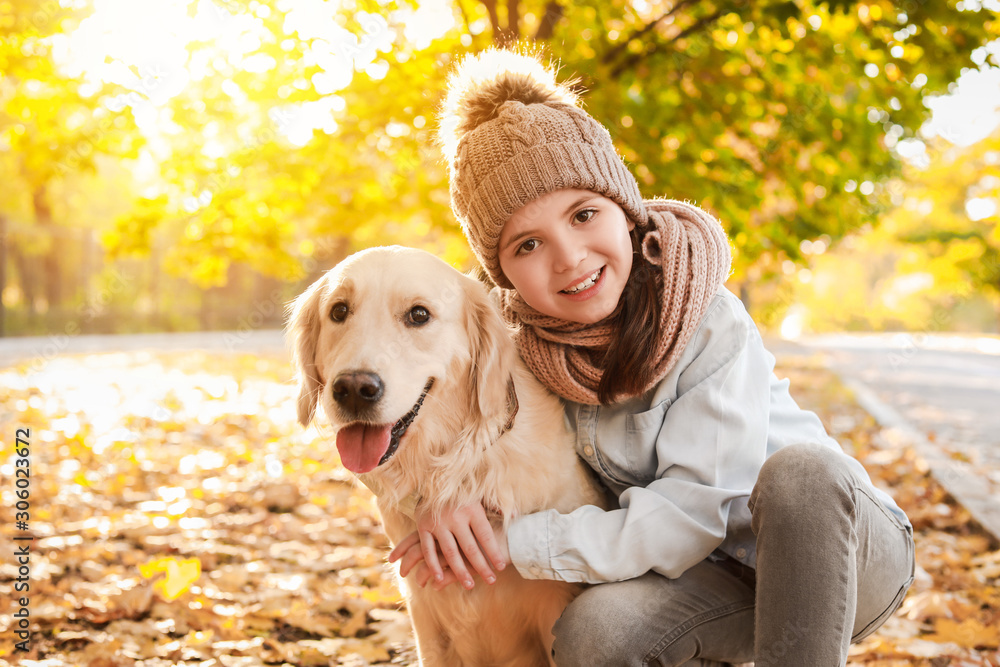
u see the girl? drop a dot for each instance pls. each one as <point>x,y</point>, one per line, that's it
<point>742,531</point>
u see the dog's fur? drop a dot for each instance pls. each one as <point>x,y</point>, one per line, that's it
<point>456,451</point>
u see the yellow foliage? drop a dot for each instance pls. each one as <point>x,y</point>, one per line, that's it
<point>178,575</point>
<point>969,632</point>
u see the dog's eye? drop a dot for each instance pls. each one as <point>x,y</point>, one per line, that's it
<point>339,312</point>
<point>418,316</point>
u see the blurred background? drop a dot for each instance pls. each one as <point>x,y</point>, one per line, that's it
<point>178,165</point>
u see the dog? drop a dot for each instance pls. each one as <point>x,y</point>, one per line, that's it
<point>420,378</point>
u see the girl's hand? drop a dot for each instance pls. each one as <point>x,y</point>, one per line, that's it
<point>412,560</point>
<point>462,531</point>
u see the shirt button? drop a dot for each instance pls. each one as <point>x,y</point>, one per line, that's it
<point>535,570</point>
<point>588,450</point>
<point>741,553</point>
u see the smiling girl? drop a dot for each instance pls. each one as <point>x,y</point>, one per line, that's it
<point>742,531</point>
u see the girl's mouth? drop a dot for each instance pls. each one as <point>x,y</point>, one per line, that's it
<point>585,287</point>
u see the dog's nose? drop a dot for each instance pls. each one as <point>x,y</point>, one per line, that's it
<point>357,390</point>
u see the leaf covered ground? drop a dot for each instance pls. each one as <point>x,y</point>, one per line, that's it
<point>182,517</point>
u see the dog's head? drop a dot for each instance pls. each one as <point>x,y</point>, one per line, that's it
<point>389,337</point>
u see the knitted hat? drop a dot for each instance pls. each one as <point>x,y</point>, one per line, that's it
<point>512,134</point>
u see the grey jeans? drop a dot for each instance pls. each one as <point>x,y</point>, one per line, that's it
<point>832,565</point>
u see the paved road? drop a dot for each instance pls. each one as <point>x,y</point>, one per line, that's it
<point>36,350</point>
<point>947,387</point>
<point>943,391</point>
<point>940,394</point>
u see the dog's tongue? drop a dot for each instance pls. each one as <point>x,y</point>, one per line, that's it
<point>362,446</point>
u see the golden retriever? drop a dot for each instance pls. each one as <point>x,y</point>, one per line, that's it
<point>421,381</point>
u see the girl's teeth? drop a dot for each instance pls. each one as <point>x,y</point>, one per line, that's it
<point>585,284</point>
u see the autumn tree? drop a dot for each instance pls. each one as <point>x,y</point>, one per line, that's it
<point>53,128</point>
<point>949,227</point>
<point>760,111</point>
<point>764,112</point>
<point>932,263</point>
<point>305,129</point>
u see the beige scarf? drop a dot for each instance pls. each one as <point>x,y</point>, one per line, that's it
<point>693,254</point>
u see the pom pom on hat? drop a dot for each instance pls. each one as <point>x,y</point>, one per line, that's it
<point>511,133</point>
<point>483,82</point>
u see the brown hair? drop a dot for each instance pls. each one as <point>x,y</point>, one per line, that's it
<point>627,370</point>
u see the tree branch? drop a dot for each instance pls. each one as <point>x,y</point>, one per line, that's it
<point>513,20</point>
<point>615,52</point>
<point>491,9</point>
<point>465,16</point>
<point>633,59</point>
<point>547,26</point>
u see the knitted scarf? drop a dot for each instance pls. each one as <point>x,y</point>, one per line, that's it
<point>692,252</point>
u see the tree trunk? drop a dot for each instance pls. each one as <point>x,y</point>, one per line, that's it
<point>3,268</point>
<point>204,310</point>
<point>156,318</point>
<point>27,279</point>
<point>547,26</point>
<point>88,267</point>
<point>745,296</point>
<point>43,215</point>
<point>513,32</point>
<point>997,288</point>
<point>491,9</point>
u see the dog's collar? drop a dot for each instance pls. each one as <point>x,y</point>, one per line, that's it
<point>407,505</point>
<point>511,406</point>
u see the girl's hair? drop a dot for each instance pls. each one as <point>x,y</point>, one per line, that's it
<point>635,326</point>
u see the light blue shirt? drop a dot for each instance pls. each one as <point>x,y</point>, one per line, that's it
<point>682,460</point>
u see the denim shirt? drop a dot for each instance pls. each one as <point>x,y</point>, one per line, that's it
<point>682,460</point>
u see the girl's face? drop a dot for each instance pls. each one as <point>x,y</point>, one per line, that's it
<point>568,254</point>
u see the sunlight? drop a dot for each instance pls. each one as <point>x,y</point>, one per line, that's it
<point>156,48</point>
<point>793,326</point>
<point>145,47</point>
<point>980,208</point>
<point>138,44</point>
<point>972,112</point>
<point>429,21</point>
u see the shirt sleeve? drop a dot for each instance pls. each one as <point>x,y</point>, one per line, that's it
<point>709,450</point>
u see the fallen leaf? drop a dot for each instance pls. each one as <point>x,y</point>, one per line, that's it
<point>178,575</point>
<point>970,632</point>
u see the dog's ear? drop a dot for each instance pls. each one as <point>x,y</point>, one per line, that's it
<point>303,329</point>
<point>493,356</point>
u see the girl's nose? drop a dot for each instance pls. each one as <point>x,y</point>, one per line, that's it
<point>568,255</point>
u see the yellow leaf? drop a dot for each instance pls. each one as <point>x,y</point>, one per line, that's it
<point>178,575</point>
<point>367,650</point>
<point>385,594</point>
<point>970,633</point>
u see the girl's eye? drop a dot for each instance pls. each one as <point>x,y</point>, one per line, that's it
<point>527,246</point>
<point>338,313</point>
<point>418,316</point>
<point>585,215</point>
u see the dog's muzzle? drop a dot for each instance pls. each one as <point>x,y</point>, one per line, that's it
<point>364,446</point>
